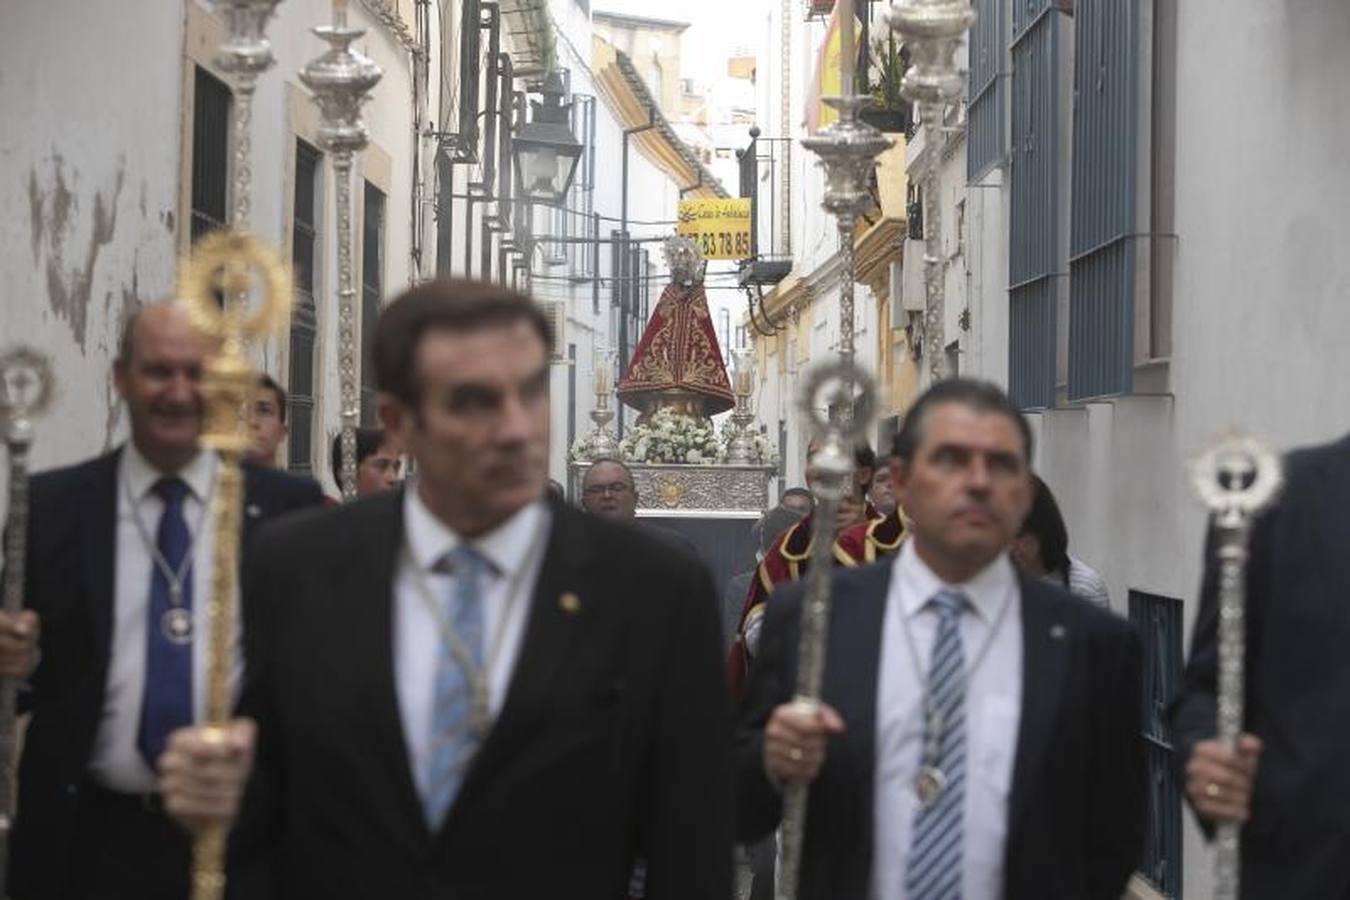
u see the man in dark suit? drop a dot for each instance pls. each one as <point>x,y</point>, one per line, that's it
<point>1287,780</point>
<point>979,735</point>
<point>462,690</point>
<point>118,667</point>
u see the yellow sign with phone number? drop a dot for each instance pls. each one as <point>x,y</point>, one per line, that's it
<point>721,226</point>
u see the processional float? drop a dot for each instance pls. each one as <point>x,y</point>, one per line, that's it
<point>676,381</point>
<point>26,387</point>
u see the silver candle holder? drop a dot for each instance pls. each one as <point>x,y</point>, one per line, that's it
<point>245,53</point>
<point>848,149</point>
<point>741,447</point>
<point>341,79</point>
<point>932,29</point>
<point>603,444</point>
<point>838,400</point>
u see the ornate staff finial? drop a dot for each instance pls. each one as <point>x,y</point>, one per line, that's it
<point>245,53</point>
<point>838,401</point>
<point>26,389</point>
<point>341,79</point>
<point>1236,478</point>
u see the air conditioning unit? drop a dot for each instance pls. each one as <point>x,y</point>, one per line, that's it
<point>556,313</point>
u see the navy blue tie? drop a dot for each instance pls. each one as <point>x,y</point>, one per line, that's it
<point>167,701</point>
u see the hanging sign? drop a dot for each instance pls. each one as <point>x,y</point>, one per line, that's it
<point>720,226</point>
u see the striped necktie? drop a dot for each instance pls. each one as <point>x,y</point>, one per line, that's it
<point>933,869</point>
<point>453,742</point>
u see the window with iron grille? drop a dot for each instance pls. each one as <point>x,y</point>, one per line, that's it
<point>304,317</point>
<point>1036,244</point>
<point>1159,621</point>
<point>582,197</point>
<point>988,89</point>
<point>211,100</point>
<point>372,287</point>
<point>724,330</point>
<point>1105,239</point>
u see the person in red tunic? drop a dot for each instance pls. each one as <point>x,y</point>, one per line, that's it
<point>789,558</point>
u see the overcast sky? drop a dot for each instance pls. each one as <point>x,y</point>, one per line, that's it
<point>716,28</point>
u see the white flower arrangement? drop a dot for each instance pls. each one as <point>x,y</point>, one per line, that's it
<point>671,438</point>
<point>583,449</point>
<point>762,450</point>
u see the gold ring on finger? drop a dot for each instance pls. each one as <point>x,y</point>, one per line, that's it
<point>1211,790</point>
<point>795,754</point>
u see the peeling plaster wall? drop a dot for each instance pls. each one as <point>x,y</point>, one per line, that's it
<point>90,202</point>
<point>92,136</point>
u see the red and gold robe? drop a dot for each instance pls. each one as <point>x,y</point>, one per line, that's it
<point>788,559</point>
<point>678,357</point>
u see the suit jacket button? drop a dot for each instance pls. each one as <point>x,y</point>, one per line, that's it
<point>72,790</point>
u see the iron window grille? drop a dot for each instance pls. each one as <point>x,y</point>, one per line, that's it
<point>372,287</point>
<point>304,316</point>
<point>210,153</point>
<point>1159,621</point>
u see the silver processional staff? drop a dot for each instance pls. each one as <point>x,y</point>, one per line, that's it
<point>26,387</point>
<point>1236,479</point>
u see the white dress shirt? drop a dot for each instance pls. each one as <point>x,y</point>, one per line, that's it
<point>993,712</point>
<point>115,762</point>
<point>516,543</point>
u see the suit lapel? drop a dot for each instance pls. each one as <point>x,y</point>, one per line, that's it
<point>367,586</point>
<point>1046,640</point>
<point>550,638</point>
<point>852,670</point>
<point>98,538</point>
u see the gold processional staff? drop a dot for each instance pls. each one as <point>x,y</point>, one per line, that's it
<point>218,288</point>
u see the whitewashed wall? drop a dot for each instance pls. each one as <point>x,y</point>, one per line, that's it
<point>94,123</point>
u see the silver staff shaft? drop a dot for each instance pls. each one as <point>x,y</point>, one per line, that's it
<point>815,623</point>
<point>18,438</point>
<point>1232,649</point>
<point>839,400</point>
<point>26,386</point>
<point>1236,479</point>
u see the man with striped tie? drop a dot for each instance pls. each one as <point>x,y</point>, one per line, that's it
<point>980,734</point>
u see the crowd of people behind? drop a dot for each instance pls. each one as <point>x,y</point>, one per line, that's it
<point>464,689</point>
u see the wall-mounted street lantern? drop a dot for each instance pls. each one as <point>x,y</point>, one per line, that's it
<point>544,151</point>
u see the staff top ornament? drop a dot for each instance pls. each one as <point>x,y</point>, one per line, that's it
<point>1236,479</point>
<point>26,389</point>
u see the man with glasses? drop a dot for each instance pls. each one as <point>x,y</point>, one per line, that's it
<point>608,491</point>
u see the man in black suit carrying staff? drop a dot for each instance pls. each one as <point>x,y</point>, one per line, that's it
<point>1287,781</point>
<point>117,581</point>
<point>980,735</point>
<point>462,690</point>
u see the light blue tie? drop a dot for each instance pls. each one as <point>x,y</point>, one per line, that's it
<point>453,741</point>
<point>933,870</point>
